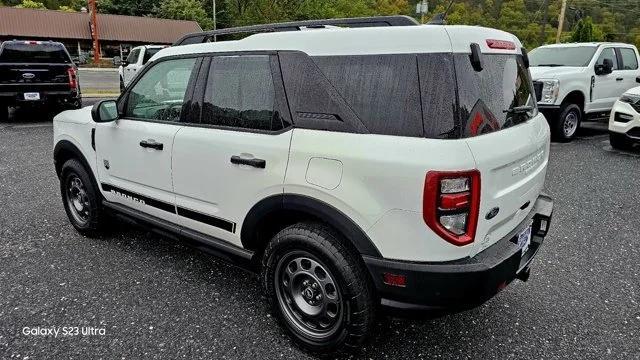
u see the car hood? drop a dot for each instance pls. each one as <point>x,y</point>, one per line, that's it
<point>634,91</point>
<point>79,116</point>
<point>554,72</point>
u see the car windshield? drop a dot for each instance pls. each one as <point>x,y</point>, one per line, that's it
<point>562,56</point>
<point>34,52</point>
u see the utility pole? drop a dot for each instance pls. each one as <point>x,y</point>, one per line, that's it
<point>561,20</point>
<point>545,20</point>
<point>215,38</point>
<point>93,25</point>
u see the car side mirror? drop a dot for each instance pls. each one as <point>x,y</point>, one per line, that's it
<point>605,68</point>
<point>105,111</point>
<point>638,79</point>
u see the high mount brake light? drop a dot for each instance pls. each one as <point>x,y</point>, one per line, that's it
<point>501,44</point>
<point>451,203</point>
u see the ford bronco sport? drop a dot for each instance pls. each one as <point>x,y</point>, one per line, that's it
<point>354,175</point>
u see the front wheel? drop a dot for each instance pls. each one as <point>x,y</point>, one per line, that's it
<point>318,288</point>
<point>567,123</point>
<point>619,141</point>
<point>81,199</point>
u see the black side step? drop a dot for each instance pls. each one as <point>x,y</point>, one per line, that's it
<point>209,244</point>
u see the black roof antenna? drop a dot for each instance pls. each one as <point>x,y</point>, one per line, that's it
<point>439,19</point>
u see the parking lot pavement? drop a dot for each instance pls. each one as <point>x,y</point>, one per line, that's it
<point>101,81</point>
<point>155,298</point>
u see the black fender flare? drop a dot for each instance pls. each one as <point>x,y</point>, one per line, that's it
<point>69,147</point>
<point>312,207</point>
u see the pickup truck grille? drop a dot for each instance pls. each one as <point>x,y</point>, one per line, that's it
<point>537,87</point>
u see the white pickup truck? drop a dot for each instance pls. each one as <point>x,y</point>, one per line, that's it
<point>579,81</point>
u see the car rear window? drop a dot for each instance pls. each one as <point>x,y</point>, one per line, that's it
<point>497,97</point>
<point>27,52</point>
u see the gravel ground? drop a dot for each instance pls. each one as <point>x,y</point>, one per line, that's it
<point>158,299</point>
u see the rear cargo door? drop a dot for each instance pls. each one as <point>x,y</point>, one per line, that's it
<point>503,129</point>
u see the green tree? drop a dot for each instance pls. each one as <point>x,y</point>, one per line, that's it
<point>30,4</point>
<point>127,7</point>
<point>184,10</point>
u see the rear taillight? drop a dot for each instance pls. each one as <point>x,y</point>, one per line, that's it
<point>451,202</point>
<point>73,78</point>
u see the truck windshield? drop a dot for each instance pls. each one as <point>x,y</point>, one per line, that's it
<point>33,52</point>
<point>562,56</point>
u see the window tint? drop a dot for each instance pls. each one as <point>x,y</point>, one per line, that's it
<point>383,90</point>
<point>133,56</point>
<point>159,94</point>
<point>629,59</point>
<point>608,53</point>
<point>488,97</point>
<point>148,53</point>
<point>240,93</point>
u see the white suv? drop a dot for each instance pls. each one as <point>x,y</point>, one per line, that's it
<point>580,81</point>
<point>353,175</point>
<point>624,122</point>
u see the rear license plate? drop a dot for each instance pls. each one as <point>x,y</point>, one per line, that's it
<point>524,239</point>
<point>32,96</point>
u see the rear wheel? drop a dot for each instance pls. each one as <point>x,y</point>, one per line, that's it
<point>619,141</point>
<point>567,123</point>
<point>4,112</point>
<point>81,199</point>
<point>318,288</point>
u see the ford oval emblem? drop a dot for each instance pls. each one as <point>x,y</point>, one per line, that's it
<point>492,213</point>
<point>28,76</point>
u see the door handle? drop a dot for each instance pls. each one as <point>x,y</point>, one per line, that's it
<point>257,163</point>
<point>151,144</point>
<point>619,79</point>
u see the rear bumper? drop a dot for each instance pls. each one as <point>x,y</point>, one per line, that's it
<point>46,97</point>
<point>464,283</point>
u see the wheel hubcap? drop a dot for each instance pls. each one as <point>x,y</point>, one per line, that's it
<point>78,200</point>
<point>308,295</point>
<point>570,124</point>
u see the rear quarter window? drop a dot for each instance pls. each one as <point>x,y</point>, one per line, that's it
<point>383,90</point>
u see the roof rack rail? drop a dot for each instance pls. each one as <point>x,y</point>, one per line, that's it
<point>373,21</point>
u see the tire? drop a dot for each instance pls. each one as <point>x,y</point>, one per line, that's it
<point>567,122</point>
<point>81,199</point>
<point>4,112</point>
<point>619,141</point>
<point>312,260</point>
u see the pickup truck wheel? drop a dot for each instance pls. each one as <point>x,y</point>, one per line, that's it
<point>619,141</point>
<point>568,122</point>
<point>4,112</point>
<point>318,288</point>
<point>82,201</point>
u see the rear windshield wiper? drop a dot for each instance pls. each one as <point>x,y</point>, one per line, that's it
<point>518,110</point>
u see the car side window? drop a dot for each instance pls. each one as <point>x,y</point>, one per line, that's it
<point>240,93</point>
<point>629,59</point>
<point>133,56</point>
<point>608,53</point>
<point>160,92</point>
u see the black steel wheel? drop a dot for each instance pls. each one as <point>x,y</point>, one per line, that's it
<point>81,198</point>
<point>318,287</point>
